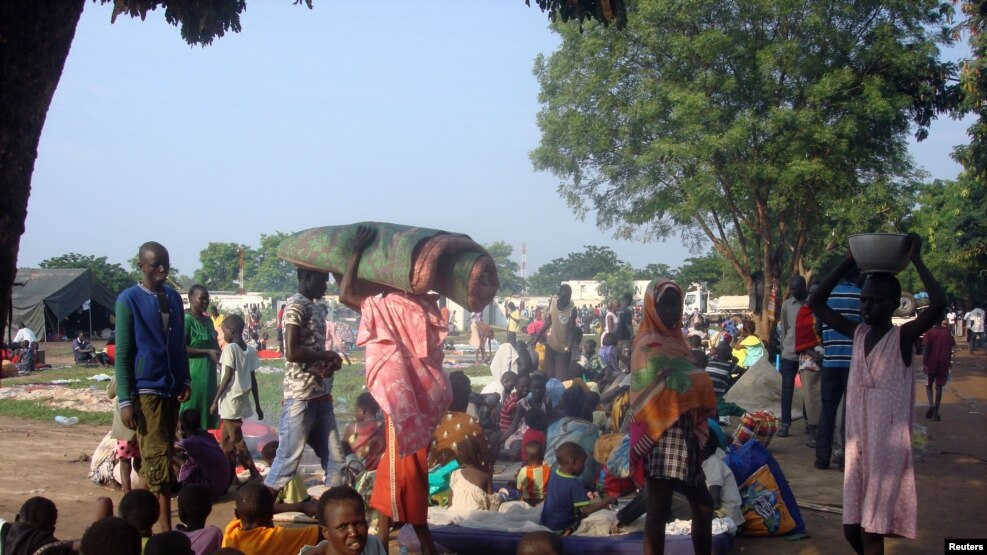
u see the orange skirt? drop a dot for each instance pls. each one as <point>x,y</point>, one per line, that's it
<point>401,486</point>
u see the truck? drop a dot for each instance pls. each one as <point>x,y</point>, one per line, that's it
<point>698,296</point>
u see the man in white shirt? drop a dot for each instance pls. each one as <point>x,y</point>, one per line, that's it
<point>24,333</point>
<point>975,323</point>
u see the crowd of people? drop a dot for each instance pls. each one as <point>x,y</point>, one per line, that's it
<point>651,394</point>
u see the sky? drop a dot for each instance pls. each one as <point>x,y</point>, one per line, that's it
<point>419,113</point>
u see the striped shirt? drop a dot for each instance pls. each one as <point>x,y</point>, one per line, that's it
<point>532,482</point>
<point>719,374</point>
<point>838,348</point>
<point>507,410</point>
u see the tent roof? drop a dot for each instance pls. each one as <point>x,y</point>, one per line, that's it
<point>61,291</point>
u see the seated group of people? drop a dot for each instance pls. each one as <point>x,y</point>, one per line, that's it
<point>562,431</point>
<point>20,358</point>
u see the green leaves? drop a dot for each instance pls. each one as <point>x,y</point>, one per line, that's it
<point>748,122</point>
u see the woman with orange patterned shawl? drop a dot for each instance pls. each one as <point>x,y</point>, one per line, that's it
<point>670,400</point>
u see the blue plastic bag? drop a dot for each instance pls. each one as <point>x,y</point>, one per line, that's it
<point>747,459</point>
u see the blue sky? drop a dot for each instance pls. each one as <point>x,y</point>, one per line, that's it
<point>418,112</point>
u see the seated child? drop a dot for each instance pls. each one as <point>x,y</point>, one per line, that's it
<point>592,412</point>
<point>722,487</point>
<point>293,497</point>
<point>253,530</point>
<point>232,403</point>
<point>699,357</point>
<point>200,458</point>
<point>343,522</point>
<point>540,543</point>
<point>511,398</point>
<point>537,422</point>
<point>470,485</point>
<point>365,437</point>
<point>262,344</point>
<point>111,536</point>
<point>566,502</point>
<point>721,369</point>
<point>140,508</point>
<point>168,543</point>
<point>194,506</point>
<point>33,530</point>
<point>594,367</point>
<point>27,357</point>
<point>532,478</point>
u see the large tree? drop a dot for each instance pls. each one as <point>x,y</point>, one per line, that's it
<point>35,38</point>
<point>271,274</point>
<point>594,260</point>
<point>219,266</point>
<point>507,269</point>
<point>740,122</point>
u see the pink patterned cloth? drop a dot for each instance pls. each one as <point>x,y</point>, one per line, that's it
<point>404,336</point>
<point>879,481</point>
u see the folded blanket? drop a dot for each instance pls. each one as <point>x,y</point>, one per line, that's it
<point>412,259</point>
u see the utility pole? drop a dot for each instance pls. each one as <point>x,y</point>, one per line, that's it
<point>241,290</point>
<point>524,266</point>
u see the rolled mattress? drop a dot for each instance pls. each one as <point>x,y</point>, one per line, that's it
<point>412,259</point>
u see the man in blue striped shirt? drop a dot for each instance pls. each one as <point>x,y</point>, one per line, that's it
<point>838,350</point>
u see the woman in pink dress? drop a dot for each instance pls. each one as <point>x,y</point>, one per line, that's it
<point>879,497</point>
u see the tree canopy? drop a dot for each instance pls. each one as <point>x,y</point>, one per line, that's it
<point>507,269</point>
<point>738,122</point>
<point>594,260</point>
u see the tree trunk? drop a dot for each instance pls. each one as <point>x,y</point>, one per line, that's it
<point>35,37</point>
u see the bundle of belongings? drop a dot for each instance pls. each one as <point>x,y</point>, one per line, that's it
<point>411,259</point>
<point>769,507</point>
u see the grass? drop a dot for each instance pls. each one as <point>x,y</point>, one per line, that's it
<point>349,382</point>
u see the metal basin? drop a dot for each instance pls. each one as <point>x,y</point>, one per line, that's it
<point>881,252</point>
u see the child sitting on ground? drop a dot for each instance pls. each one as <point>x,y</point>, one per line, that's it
<point>699,357</point>
<point>194,506</point>
<point>33,530</point>
<point>140,508</point>
<point>532,478</point>
<point>27,357</point>
<point>168,543</point>
<point>111,536</point>
<point>537,422</point>
<point>594,367</point>
<point>365,437</point>
<point>566,502</point>
<point>198,457</point>
<point>293,497</point>
<point>232,402</point>
<point>470,485</point>
<point>540,543</point>
<point>343,523</point>
<point>253,530</point>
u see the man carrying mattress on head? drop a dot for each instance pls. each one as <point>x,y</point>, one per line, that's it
<point>403,334</point>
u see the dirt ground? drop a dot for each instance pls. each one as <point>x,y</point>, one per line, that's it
<point>42,458</point>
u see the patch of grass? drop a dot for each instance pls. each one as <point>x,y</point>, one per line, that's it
<point>80,373</point>
<point>38,411</point>
<point>349,382</point>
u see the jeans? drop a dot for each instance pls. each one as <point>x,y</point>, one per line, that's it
<point>975,338</point>
<point>312,422</point>
<point>789,369</point>
<point>833,387</point>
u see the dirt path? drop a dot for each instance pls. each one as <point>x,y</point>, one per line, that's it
<point>42,458</point>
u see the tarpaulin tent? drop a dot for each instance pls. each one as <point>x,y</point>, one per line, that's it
<point>42,298</point>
